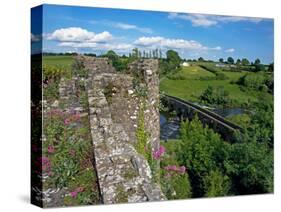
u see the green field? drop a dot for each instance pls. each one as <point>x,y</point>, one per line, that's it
<point>59,61</point>
<point>191,87</point>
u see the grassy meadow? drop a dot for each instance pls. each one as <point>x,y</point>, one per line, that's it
<point>62,61</point>
<point>195,79</point>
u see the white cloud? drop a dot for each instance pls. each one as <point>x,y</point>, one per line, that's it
<point>35,38</point>
<point>77,34</point>
<point>162,42</point>
<point>196,19</point>
<point>99,46</point>
<point>122,25</point>
<point>131,26</point>
<point>210,20</point>
<point>231,50</point>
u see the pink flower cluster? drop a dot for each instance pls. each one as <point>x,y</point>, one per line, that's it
<point>51,149</point>
<point>73,118</point>
<point>74,193</point>
<point>157,154</point>
<point>178,169</point>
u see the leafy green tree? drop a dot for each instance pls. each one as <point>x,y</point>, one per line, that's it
<point>250,166</point>
<point>271,67</point>
<point>259,67</point>
<point>173,58</point>
<point>111,55</point>
<point>257,61</point>
<point>221,60</point>
<point>245,62</point>
<point>238,62</point>
<point>230,60</point>
<point>201,152</point>
<point>217,96</point>
<point>201,59</point>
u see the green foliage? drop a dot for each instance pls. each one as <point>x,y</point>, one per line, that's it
<point>173,58</point>
<point>70,153</point>
<point>142,146</point>
<point>217,168</point>
<point>257,61</point>
<point>176,76</point>
<point>230,60</point>
<point>171,64</point>
<point>259,67</point>
<point>271,67</point>
<point>215,96</point>
<point>119,63</point>
<point>251,168</point>
<point>79,69</point>
<point>219,75</point>
<point>54,73</point>
<point>240,119</point>
<point>257,81</point>
<point>174,185</point>
<point>202,151</point>
<point>262,121</point>
<point>245,62</point>
<point>216,184</point>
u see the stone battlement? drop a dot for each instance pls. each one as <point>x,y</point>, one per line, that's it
<point>115,101</point>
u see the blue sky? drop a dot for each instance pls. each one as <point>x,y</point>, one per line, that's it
<point>86,29</point>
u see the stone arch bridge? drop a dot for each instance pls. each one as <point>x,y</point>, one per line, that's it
<point>187,110</point>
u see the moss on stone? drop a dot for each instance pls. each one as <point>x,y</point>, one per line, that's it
<point>130,174</point>
<point>121,194</point>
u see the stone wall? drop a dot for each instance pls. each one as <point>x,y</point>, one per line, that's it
<point>123,174</point>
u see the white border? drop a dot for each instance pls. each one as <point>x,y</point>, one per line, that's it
<point>15,89</point>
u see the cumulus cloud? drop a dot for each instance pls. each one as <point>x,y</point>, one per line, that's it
<point>35,38</point>
<point>196,19</point>
<point>230,50</point>
<point>99,46</point>
<point>210,20</point>
<point>77,34</point>
<point>122,25</point>
<point>172,43</point>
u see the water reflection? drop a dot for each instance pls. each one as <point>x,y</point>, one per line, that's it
<point>169,126</point>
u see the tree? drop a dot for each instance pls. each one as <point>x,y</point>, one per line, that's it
<point>254,174</point>
<point>156,53</point>
<point>271,67</point>
<point>230,60</point>
<point>245,62</point>
<point>201,59</point>
<point>238,61</point>
<point>135,53</point>
<point>259,67</point>
<point>173,59</point>
<point>202,151</point>
<point>257,61</point>
<point>111,55</point>
<point>221,60</point>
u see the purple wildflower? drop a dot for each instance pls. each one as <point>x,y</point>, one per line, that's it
<point>51,149</point>
<point>158,153</point>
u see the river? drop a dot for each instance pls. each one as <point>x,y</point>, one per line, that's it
<point>169,127</point>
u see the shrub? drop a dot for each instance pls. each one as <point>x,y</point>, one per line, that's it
<point>216,184</point>
<point>217,96</point>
